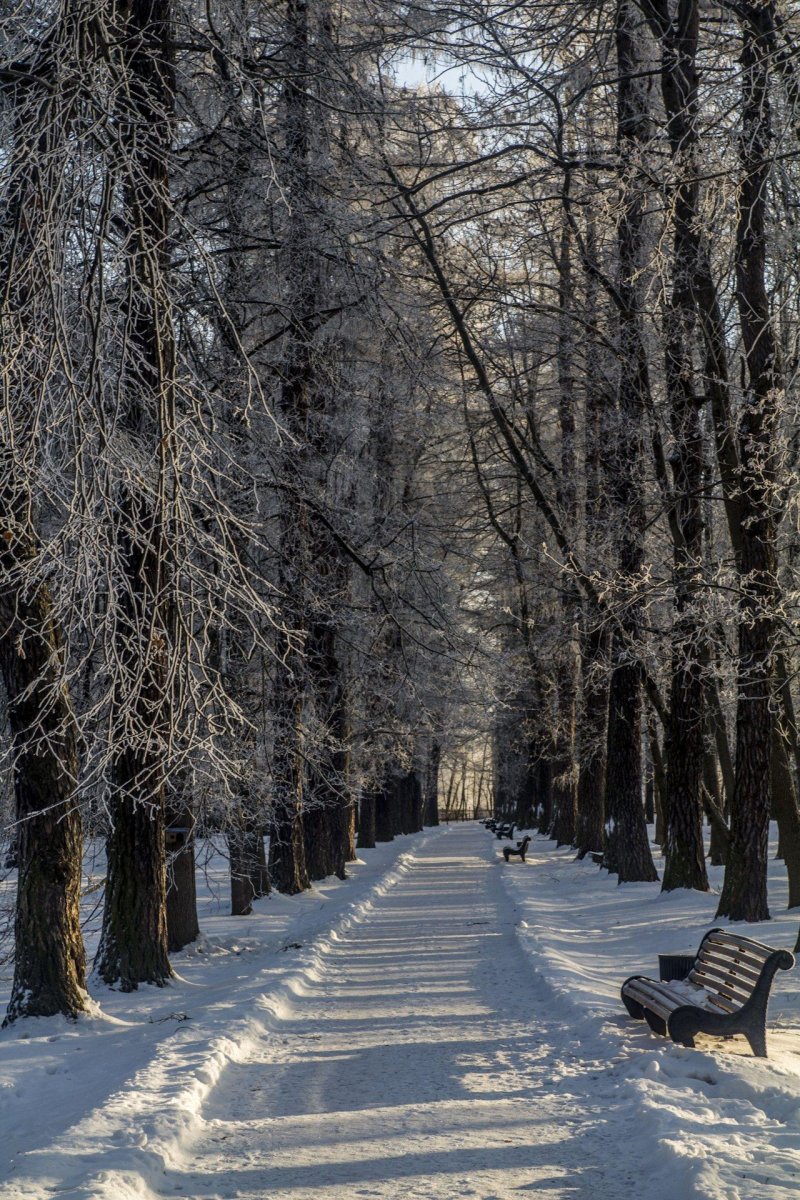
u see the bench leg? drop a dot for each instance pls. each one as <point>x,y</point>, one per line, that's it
<point>657,1024</point>
<point>758,1042</point>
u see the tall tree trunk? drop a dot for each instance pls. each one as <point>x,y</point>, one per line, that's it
<point>685,857</point>
<point>133,943</point>
<point>592,744</point>
<point>744,893</point>
<point>627,850</point>
<point>565,768</point>
<point>592,723</point>
<point>49,965</point>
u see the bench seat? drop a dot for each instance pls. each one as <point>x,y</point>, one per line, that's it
<point>725,993</point>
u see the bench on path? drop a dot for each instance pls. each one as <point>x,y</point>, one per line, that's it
<point>725,992</point>
<point>520,848</point>
<point>506,830</point>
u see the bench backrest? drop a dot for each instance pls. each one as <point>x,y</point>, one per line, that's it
<point>730,967</point>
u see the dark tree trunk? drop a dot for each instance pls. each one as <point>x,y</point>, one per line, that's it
<point>431,806</point>
<point>49,966</point>
<point>593,718</point>
<point>249,875</point>
<point>784,782</point>
<point>366,820</point>
<point>417,807</point>
<point>524,810</point>
<point>287,851</point>
<point>685,858</point>
<point>784,799</point>
<point>182,924</point>
<point>319,833</point>
<point>744,894</point>
<point>133,948</point>
<point>543,793</point>
<point>718,842</point>
<point>659,781</point>
<point>329,804</point>
<point>592,746</point>
<point>626,850</point>
<point>385,815</point>
<point>565,769</point>
<point>133,943</point>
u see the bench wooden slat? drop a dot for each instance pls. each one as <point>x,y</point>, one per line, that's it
<point>740,939</point>
<point>661,1006</point>
<point>676,999</point>
<point>715,980</point>
<point>661,993</point>
<point>720,994</point>
<point>735,968</point>
<point>721,999</point>
<point>739,945</point>
<point>737,959</point>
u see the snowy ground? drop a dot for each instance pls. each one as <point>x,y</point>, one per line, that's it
<point>442,1025</point>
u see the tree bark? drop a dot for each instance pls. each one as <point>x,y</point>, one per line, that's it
<point>744,893</point>
<point>49,966</point>
<point>627,850</point>
<point>431,803</point>
<point>685,857</point>
<point>366,820</point>
<point>182,923</point>
<point>133,943</point>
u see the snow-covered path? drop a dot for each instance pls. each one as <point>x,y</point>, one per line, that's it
<point>422,1057</point>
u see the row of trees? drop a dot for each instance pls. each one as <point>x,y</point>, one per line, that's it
<point>222,595</point>
<point>617,261</point>
<point>348,420</point>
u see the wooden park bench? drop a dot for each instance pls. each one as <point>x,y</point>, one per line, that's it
<point>725,992</point>
<point>506,830</point>
<point>519,849</point>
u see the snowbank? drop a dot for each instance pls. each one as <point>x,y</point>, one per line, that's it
<point>100,1107</point>
<point>726,1126</point>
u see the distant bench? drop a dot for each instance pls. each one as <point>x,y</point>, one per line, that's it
<point>520,848</point>
<point>726,992</point>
